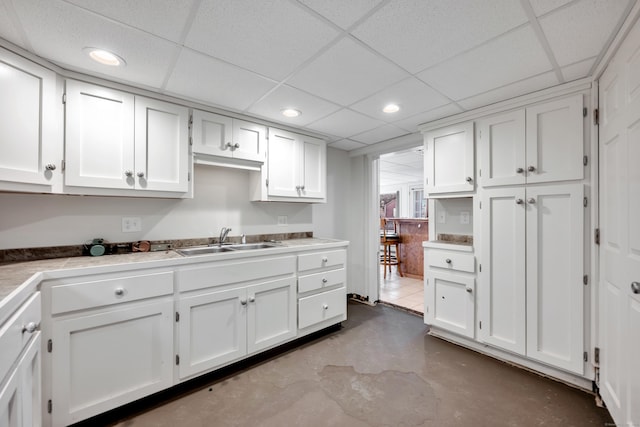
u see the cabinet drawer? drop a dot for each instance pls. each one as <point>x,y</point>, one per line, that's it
<point>318,308</point>
<point>80,296</point>
<point>321,260</point>
<point>451,260</point>
<point>312,282</point>
<point>12,338</point>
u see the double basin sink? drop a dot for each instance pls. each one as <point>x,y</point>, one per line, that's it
<point>205,250</point>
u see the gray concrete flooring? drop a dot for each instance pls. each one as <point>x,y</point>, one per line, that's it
<point>380,369</point>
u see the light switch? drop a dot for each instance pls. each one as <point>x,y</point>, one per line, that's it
<point>131,224</point>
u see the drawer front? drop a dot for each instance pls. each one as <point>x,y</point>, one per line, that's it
<point>318,308</point>
<point>451,260</point>
<point>325,279</point>
<point>12,337</point>
<point>80,296</point>
<point>227,273</point>
<point>318,260</point>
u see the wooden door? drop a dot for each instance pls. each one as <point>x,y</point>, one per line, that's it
<point>284,164</point>
<point>99,137</point>
<point>619,285</point>
<point>212,133</point>
<point>502,149</point>
<point>502,294</point>
<point>212,330</point>
<point>314,163</point>
<point>555,141</point>
<point>555,270</point>
<point>29,123</point>
<point>271,315</point>
<point>449,159</point>
<point>249,141</point>
<point>161,146</point>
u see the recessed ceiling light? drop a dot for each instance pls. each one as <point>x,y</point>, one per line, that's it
<point>291,112</point>
<point>104,57</point>
<point>391,108</point>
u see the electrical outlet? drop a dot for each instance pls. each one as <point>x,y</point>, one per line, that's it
<point>131,224</point>
<point>282,220</point>
<point>441,217</point>
<point>464,217</point>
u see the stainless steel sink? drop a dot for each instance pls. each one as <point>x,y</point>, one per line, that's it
<point>205,250</point>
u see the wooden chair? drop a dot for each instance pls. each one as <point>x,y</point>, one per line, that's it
<point>388,239</point>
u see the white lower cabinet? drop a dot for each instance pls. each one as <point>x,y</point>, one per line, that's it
<point>532,273</point>
<point>450,290</point>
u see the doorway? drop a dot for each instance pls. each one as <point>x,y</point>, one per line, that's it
<point>403,206</point>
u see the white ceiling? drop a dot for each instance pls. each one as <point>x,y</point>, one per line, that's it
<point>403,167</point>
<point>338,61</point>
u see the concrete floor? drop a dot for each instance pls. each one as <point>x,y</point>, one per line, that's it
<point>380,369</point>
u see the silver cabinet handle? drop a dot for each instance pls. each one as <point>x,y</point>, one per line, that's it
<point>324,280</point>
<point>448,261</point>
<point>302,187</point>
<point>531,200</point>
<point>30,327</point>
<point>50,167</point>
<point>469,290</point>
<point>140,174</point>
<point>236,145</point>
<point>325,306</point>
<point>228,145</point>
<point>469,179</point>
<point>635,287</point>
<point>519,170</point>
<point>119,291</point>
<point>243,301</point>
<point>519,201</point>
<point>531,168</point>
<point>325,259</point>
<point>252,298</point>
<point>128,173</point>
<point>298,187</point>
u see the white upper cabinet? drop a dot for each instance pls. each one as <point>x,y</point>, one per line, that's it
<point>542,143</point>
<point>30,144</point>
<point>221,136</point>
<point>117,141</point>
<point>296,169</point>
<point>449,159</point>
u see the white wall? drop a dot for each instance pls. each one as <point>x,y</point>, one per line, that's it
<point>447,216</point>
<point>221,199</point>
<point>329,219</point>
<point>356,226</point>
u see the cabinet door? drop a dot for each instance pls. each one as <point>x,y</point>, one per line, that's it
<point>10,402</point>
<point>450,302</point>
<point>283,164</point>
<point>212,133</point>
<point>449,160</point>
<point>99,137</point>
<point>28,130</point>
<point>30,383</point>
<point>271,317</point>
<point>314,161</point>
<point>555,251</point>
<point>212,330</point>
<point>502,149</point>
<point>555,141</point>
<point>106,359</point>
<point>502,279</point>
<point>250,141</point>
<point>161,146</point>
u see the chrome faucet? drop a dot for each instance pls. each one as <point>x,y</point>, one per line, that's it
<point>223,235</point>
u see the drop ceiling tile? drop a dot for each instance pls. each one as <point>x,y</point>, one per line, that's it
<point>380,134</point>
<point>578,70</point>
<point>523,87</point>
<point>540,7</point>
<point>412,95</point>
<point>48,24</point>
<point>8,30</point>
<point>271,38</point>
<point>340,12</point>
<point>312,107</point>
<point>506,59</point>
<point>346,73</point>
<point>147,15</point>
<point>417,34</point>
<point>347,144</point>
<point>214,82</point>
<point>345,123</point>
<point>411,123</point>
<point>593,20</point>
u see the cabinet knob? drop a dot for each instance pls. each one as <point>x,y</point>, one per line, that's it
<point>469,290</point>
<point>252,298</point>
<point>236,145</point>
<point>325,259</point>
<point>298,187</point>
<point>519,201</point>
<point>30,327</point>
<point>324,280</point>
<point>228,145</point>
<point>448,260</point>
<point>635,287</point>
<point>469,179</point>
<point>302,187</point>
<point>128,173</point>
<point>140,174</point>
<point>243,301</point>
<point>531,200</point>
<point>50,167</point>
<point>531,168</point>
<point>119,291</point>
<point>519,170</point>
<point>325,306</point>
